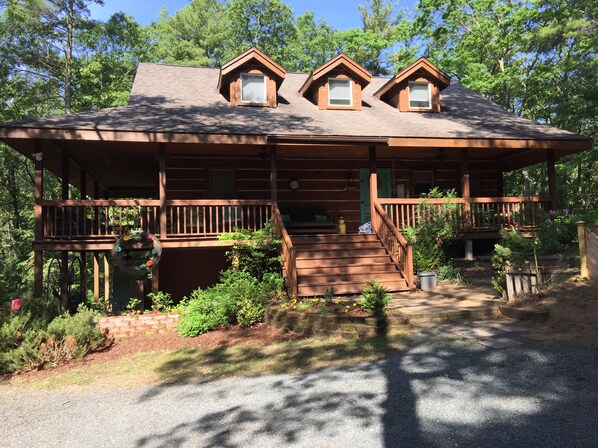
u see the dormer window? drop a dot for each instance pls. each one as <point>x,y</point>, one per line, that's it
<point>415,89</point>
<point>340,92</point>
<point>337,84</point>
<point>251,79</point>
<point>420,95</point>
<point>253,88</point>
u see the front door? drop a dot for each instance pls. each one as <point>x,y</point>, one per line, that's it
<point>384,189</point>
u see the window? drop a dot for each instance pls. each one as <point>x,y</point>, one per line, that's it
<point>339,92</point>
<point>222,183</point>
<point>253,88</point>
<point>423,182</point>
<point>419,95</point>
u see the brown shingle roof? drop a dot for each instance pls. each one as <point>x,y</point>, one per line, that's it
<point>167,98</point>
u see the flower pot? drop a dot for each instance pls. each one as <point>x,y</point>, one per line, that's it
<point>427,280</point>
<point>524,282</point>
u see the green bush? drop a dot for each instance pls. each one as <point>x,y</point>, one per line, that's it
<point>28,340</point>
<point>255,252</point>
<point>436,226</point>
<point>375,297</point>
<point>237,298</point>
<point>206,310</point>
<point>161,301</point>
<point>558,232</point>
<point>448,271</point>
<point>512,252</point>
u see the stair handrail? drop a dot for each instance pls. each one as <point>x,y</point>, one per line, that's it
<point>401,251</point>
<point>289,259</point>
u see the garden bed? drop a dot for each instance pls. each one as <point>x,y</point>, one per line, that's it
<point>345,325</point>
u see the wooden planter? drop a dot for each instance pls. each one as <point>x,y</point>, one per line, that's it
<point>524,282</point>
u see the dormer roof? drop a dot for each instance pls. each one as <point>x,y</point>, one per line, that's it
<point>342,61</point>
<point>419,66</point>
<point>251,56</point>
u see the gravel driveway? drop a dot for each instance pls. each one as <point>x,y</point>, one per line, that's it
<point>443,392</point>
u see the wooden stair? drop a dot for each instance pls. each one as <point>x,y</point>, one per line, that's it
<point>344,263</point>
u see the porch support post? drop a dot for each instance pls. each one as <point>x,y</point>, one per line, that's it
<point>273,175</point>
<point>83,266</point>
<point>106,277</point>
<point>162,189</point>
<point>38,260</point>
<point>64,255</point>
<point>551,179</point>
<point>96,276</point>
<point>373,183</point>
<point>583,250</point>
<point>156,279</point>
<point>466,195</point>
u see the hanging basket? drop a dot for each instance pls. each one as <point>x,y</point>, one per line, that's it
<point>137,253</point>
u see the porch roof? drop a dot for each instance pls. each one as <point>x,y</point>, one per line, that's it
<point>185,100</point>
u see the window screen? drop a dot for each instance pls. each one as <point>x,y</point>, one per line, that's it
<point>419,95</point>
<point>339,92</point>
<point>253,88</point>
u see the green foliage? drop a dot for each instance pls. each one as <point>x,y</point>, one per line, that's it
<point>448,271</point>
<point>161,301</point>
<point>206,310</point>
<point>437,225</point>
<point>134,305</point>
<point>558,232</point>
<point>513,252</point>
<point>32,338</point>
<point>375,297</point>
<point>255,252</point>
<point>237,298</point>
<point>328,296</point>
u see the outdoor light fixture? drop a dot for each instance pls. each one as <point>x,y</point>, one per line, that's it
<point>350,182</point>
<point>37,156</point>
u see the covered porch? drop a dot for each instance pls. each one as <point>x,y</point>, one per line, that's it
<point>189,189</point>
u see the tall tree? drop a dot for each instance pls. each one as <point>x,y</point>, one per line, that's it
<point>314,43</point>
<point>265,24</point>
<point>195,35</point>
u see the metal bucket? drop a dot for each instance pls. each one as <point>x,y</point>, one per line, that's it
<point>427,280</point>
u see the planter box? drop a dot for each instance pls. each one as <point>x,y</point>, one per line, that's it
<point>524,282</point>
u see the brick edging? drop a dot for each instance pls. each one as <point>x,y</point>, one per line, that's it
<point>135,325</point>
<point>347,327</point>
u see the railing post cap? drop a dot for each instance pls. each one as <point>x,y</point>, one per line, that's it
<point>581,223</point>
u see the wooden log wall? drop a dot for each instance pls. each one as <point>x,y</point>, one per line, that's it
<point>322,180</point>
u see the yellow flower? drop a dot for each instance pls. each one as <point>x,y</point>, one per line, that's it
<point>354,304</point>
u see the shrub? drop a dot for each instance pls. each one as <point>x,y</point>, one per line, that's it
<point>448,271</point>
<point>72,336</point>
<point>328,296</point>
<point>375,297</point>
<point>161,301</point>
<point>237,298</point>
<point>437,225</point>
<point>28,340</point>
<point>513,251</point>
<point>558,232</point>
<point>206,310</point>
<point>255,252</point>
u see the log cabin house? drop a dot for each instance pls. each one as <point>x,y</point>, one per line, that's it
<point>198,151</point>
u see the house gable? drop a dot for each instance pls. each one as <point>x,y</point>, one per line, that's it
<point>337,84</point>
<point>241,80</point>
<point>415,89</point>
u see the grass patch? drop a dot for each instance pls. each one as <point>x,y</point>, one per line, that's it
<point>197,364</point>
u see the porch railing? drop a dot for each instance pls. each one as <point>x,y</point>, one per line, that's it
<point>96,219</point>
<point>289,259</point>
<point>394,242</point>
<point>474,215</point>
